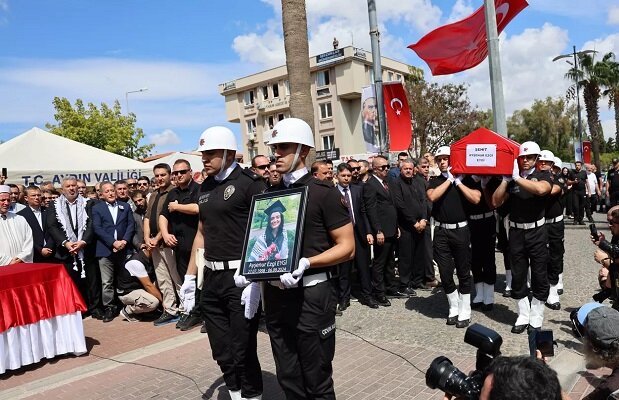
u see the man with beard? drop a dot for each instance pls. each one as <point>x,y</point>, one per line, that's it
<point>354,170</point>
<point>43,244</point>
<point>122,193</point>
<point>15,234</point>
<point>138,216</point>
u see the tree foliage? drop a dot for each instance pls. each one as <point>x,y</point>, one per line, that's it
<point>610,81</point>
<point>102,127</point>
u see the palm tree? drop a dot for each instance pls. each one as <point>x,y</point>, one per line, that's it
<point>294,21</point>
<point>610,82</point>
<point>589,78</point>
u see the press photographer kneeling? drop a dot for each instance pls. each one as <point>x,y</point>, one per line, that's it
<point>604,255</point>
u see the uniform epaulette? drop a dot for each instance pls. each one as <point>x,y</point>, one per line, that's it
<point>251,174</point>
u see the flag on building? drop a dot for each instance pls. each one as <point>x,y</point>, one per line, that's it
<point>462,45</point>
<point>586,152</point>
<point>398,116</point>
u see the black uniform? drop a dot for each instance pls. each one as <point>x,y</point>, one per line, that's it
<point>528,244</point>
<point>224,210</point>
<point>182,226</point>
<point>579,194</point>
<point>612,178</point>
<point>556,230</point>
<point>482,224</point>
<point>301,321</point>
<point>452,238</point>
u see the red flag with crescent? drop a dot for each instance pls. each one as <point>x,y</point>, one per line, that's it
<point>586,152</point>
<point>462,45</point>
<point>398,116</point>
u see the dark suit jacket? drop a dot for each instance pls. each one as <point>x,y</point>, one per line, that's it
<point>379,208</point>
<point>104,227</point>
<point>409,198</point>
<point>58,235</point>
<point>40,236</point>
<point>138,236</point>
<point>362,225</point>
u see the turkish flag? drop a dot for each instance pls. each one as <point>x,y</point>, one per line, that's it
<point>398,116</point>
<point>586,152</point>
<point>462,45</point>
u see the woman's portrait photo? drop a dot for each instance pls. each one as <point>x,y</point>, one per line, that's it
<point>272,244</point>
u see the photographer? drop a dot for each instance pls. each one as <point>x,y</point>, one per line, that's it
<point>598,325</point>
<point>603,257</point>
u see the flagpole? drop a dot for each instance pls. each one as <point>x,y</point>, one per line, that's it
<point>378,79</point>
<point>494,62</point>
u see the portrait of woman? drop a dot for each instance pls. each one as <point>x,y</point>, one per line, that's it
<point>272,244</point>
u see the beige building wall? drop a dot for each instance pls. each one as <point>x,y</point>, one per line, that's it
<point>258,101</point>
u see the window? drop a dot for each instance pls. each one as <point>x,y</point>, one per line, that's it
<point>398,77</point>
<point>251,126</point>
<point>280,117</point>
<point>328,142</point>
<point>275,90</point>
<point>287,87</point>
<point>271,122</point>
<point>249,97</point>
<point>389,76</point>
<point>265,92</point>
<point>322,78</point>
<point>325,110</point>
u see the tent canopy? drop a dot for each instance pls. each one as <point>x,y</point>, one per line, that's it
<point>195,161</point>
<point>37,156</point>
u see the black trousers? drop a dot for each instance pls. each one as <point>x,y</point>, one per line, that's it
<point>345,270</point>
<point>483,239</point>
<point>590,204</point>
<point>301,325</point>
<point>569,202</point>
<point>362,264</point>
<point>452,251</point>
<point>556,250</point>
<point>579,199</point>
<point>413,258</point>
<point>383,268</point>
<point>529,249</point>
<point>231,335</point>
<point>503,243</point>
<point>428,254</point>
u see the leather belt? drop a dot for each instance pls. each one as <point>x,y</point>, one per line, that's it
<point>222,265</point>
<point>527,225</point>
<point>482,216</point>
<point>309,280</point>
<point>451,226</point>
<point>553,220</point>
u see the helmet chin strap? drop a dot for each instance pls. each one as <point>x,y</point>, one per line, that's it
<point>223,163</point>
<point>293,166</point>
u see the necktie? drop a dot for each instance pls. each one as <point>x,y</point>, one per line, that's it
<point>385,185</point>
<point>347,203</point>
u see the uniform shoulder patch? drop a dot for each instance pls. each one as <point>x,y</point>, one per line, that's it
<point>251,174</point>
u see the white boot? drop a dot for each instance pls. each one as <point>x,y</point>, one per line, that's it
<point>488,294</point>
<point>235,395</point>
<point>553,302</point>
<point>537,313</point>
<point>479,295</point>
<point>464,311</point>
<point>454,300</point>
<point>524,312</point>
<point>560,284</point>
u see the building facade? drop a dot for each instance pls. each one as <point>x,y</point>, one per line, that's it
<point>258,101</point>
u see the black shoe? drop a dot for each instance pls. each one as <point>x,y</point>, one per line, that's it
<point>590,220</point>
<point>109,315</point>
<point>463,324</point>
<point>477,306</point>
<point>554,306</point>
<point>559,292</point>
<point>452,320</point>
<point>396,294</point>
<point>368,301</point>
<point>519,328</point>
<point>165,318</point>
<point>343,305</point>
<point>191,322</point>
<point>410,292</point>
<point>203,328</point>
<point>487,307</point>
<point>582,223</point>
<point>97,314</point>
<point>507,293</point>
<point>181,320</point>
<point>382,301</point>
<point>338,312</point>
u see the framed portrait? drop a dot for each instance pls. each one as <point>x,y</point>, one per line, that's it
<point>274,233</point>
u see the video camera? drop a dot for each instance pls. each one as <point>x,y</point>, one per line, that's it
<point>443,375</point>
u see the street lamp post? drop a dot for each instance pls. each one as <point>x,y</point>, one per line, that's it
<point>575,54</point>
<point>127,96</point>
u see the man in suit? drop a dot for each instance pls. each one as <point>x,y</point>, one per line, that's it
<point>352,198</point>
<point>383,219</point>
<point>43,244</point>
<point>139,199</point>
<point>114,227</point>
<point>70,226</point>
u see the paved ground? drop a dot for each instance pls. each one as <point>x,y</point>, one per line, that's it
<point>139,361</point>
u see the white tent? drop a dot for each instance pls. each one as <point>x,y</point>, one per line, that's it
<point>195,161</point>
<point>37,156</point>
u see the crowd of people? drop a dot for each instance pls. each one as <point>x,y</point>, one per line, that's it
<point>170,248</point>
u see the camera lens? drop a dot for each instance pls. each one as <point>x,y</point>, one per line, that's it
<point>444,376</point>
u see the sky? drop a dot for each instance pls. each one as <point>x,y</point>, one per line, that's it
<point>98,51</point>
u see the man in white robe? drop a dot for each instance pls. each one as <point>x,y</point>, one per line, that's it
<point>15,233</point>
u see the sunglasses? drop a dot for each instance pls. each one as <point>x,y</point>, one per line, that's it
<point>143,184</point>
<point>132,185</point>
<point>355,168</point>
<point>382,168</point>
<point>262,166</point>
<point>180,172</point>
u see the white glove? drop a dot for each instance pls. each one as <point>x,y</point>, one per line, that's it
<point>189,302</point>
<point>250,298</point>
<point>188,287</point>
<point>458,180</point>
<point>240,280</point>
<point>484,181</point>
<point>290,280</point>
<point>450,177</point>
<point>516,171</point>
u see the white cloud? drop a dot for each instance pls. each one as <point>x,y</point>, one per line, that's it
<point>460,10</point>
<point>608,127</point>
<point>603,45</point>
<point>166,138</point>
<point>613,15</point>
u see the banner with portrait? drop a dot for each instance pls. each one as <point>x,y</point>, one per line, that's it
<point>369,119</point>
<point>274,233</point>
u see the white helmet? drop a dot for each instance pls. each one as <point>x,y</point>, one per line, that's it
<point>217,138</point>
<point>558,163</point>
<point>529,148</point>
<point>546,155</point>
<point>292,130</point>
<point>443,151</point>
